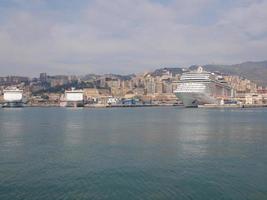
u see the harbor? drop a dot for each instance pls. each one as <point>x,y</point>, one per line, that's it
<point>133,153</point>
<point>188,88</point>
<point>133,100</point>
<point>88,106</point>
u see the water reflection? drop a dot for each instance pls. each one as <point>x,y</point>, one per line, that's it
<point>127,153</point>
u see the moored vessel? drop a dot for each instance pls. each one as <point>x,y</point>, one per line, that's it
<point>72,98</point>
<point>201,87</point>
<point>13,97</point>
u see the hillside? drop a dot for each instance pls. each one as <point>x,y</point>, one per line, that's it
<point>160,72</point>
<point>255,71</point>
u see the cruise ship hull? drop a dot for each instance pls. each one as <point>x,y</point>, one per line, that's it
<point>193,99</point>
<point>72,104</point>
<point>13,105</point>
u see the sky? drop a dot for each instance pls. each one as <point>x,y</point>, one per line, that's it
<point>128,36</point>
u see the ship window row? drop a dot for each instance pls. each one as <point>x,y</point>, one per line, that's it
<point>196,75</point>
<point>193,86</point>
<point>189,90</point>
<point>196,78</point>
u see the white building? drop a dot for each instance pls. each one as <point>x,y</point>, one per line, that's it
<point>252,98</point>
<point>113,101</point>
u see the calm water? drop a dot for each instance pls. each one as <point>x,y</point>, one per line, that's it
<point>140,153</point>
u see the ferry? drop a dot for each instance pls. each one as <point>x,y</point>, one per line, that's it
<point>72,98</point>
<point>201,87</point>
<point>13,97</point>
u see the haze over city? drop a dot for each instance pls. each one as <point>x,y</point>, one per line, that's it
<point>123,36</point>
<point>133,99</point>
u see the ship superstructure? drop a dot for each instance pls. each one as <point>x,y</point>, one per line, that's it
<point>73,98</point>
<point>201,87</point>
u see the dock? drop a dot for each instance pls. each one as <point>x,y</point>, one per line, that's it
<point>233,106</point>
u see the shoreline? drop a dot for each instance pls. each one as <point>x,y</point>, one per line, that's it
<point>233,106</point>
<point>146,105</point>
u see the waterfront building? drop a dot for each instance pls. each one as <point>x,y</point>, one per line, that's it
<point>94,95</point>
<point>253,98</point>
<point>113,101</point>
<point>53,98</point>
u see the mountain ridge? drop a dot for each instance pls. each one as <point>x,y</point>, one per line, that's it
<point>255,71</point>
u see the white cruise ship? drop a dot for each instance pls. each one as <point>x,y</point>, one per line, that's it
<point>200,87</point>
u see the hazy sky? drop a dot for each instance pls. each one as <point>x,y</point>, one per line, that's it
<point>125,36</point>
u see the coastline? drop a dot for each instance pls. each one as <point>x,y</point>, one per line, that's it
<point>233,106</point>
<point>146,105</point>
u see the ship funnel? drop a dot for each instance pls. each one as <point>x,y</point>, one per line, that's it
<point>200,69</point>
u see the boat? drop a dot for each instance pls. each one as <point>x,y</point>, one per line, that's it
<point>200,87</point>
<point>72,98</point>
<point>13,98</point>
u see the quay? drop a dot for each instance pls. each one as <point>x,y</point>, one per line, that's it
<point>45,105</point>
<point>233,106</point>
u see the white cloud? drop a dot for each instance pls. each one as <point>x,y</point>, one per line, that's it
<point>130,36</point>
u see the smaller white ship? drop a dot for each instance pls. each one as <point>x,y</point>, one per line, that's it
<point>72,98</point>
<point>13,97</point>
